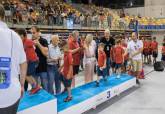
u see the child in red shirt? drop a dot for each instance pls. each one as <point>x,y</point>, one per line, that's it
<point>101,68</point>
<point>32,60</point>
<point>163,53</point>
<point>154,46</point>
<point>126,55</point>
<point>119,57</point>
<point>67,70</point>
<point>145,50</point>
<point>150,50</point>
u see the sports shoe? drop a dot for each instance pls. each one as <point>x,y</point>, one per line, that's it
<point>97,84</point>
<point>118,76</point>
<point>137,82</point>
<point>35,90</point>
<point>67,99</point>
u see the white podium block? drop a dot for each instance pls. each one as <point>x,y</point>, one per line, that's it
<point>40,103</point>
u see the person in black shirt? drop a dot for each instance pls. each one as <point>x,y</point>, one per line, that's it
<point>42,53</point>
<point>108,42</point>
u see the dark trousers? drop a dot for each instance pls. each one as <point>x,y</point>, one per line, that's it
<point>10,110</point>
<point>26,86</point>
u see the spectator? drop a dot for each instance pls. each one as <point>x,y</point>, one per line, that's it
<point>135,48</point>
<point>108,42</point>
<point>7,11</point>
<point>82,20</point>
<point>11,49</point>
<point>89,59</point>
<point>74,45</point>
<point>42,53</point>
<point>32,60</point>
<point>54,58</point>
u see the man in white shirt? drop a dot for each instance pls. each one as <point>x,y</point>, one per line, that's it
<point>135,48</point>
<point>54,57</point>
<point>12,63</point>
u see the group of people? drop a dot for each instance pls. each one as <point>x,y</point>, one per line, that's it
<point>40,12</point>
<point>44,64</point>
<point>59,62</point>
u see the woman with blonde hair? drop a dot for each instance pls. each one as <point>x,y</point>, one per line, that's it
<point>89,58</point>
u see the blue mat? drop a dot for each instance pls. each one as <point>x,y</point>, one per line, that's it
<point>29,101</point>
<point>89,90</point>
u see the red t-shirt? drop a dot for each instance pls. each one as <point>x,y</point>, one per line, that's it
<point>68,61</point>
<point>76,56</point>
<point>29,48</point>
<point>163,50</point>
<point>154,46</point>
<point>146,46</point>
<point>101,58</point>
<point>119,51</point>
<point>150,46</point>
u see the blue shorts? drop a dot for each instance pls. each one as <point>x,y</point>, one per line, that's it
<point>118,65</point>
<point>31,70</point>
<point>101,72</point>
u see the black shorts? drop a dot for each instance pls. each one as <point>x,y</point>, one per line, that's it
<point>125,63</point>
<point>150,52</point>
<point>66,82</point>
<point>155,54</point>
<point>145,53</point>
<point>31,70</point>
<point>75,69</point>
<point>101,72</point>
<point>11,109</point>
<point>113,64</point>
<point>163,58</point>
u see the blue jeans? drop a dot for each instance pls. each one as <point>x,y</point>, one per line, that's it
<point>108,66</point>
<point>43,78</point>
<point>53,77</point>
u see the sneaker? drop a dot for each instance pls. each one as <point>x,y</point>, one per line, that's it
<point>118,76</point>
<point>137,82</point>
<point>35,90</point>
<point>97,84</point>
<point>67,99</point>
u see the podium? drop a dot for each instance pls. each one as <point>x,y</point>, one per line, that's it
<point>40,103</point>
<point>85,97</point>
<point>89,96</point>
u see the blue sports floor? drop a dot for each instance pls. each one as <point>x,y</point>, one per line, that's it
<point>80,94</point>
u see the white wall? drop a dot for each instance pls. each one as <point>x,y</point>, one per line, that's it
<point>152,8</point>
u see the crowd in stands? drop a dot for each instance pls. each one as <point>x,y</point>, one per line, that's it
<point>18,12</point>
<point>60,13</point>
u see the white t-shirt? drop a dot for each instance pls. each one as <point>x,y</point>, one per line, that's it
<point>11,95</point>
<point>133,47</point>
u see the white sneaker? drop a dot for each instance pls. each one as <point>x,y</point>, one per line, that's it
<point>118,76</point>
